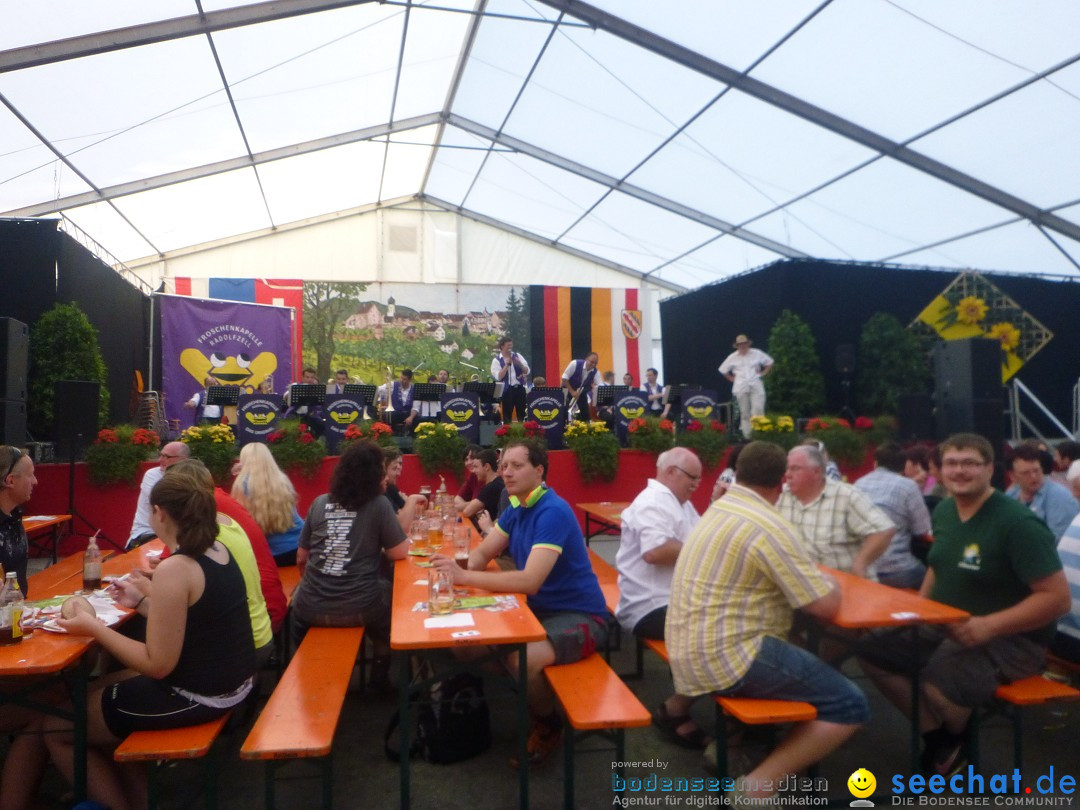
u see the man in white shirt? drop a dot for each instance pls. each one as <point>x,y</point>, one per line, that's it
<point>141,532</point>
<point>580,379</point>
<point>511,369</point>
<point>744,369</point>
<point>654,528</point>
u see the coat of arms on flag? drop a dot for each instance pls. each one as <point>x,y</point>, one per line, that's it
<point>631,323</point>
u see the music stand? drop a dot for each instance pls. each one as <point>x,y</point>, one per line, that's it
<point>486,392</point>
<point>366,390</point>
<point>306,394</point>
<point>550,391</point>
<point>607,394</point>
<point>428,392</point>
<point>223,395</point>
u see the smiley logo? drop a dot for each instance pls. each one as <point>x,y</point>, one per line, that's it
<point>458,415</point>
<point>632,412</point>
<point>861,783</point>
<point>239,369</point>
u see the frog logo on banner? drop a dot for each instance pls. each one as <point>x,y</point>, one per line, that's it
<point>550,413</point>
<point>463,412</point>
<point>341,411</point>
<point>699,405</point>
<point>256,416</point>
<point>629,406</point>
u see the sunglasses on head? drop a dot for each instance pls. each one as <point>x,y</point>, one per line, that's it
<point>14,461</point>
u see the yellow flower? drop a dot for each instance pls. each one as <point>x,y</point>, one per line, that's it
<point>1008,334</point>
<point>971,310</point>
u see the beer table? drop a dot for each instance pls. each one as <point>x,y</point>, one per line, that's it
<point>513,629</point>
<point>36,524</point>
<point>868,605</point>
<point>607,515</point>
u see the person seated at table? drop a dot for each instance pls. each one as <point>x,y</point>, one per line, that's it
<point>486,469</point>
<point>740,575</point>
<point>471,486</point>
<point>841,526</point>
<point>553,571</point>
<point>268,494</point>
<point>141,530</point>
<point>1051,501</point>
<point>993,558</point>
<point>405,506</point>
<point>16,487</point>
<point>346,533</point>
<point>1066,643</point>
<point>654,528</point>
<point>197,662</point>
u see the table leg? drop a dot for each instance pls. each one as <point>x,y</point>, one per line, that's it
<point>915,696</point>
<point>404,728</point>
<point>588,533</point>
<point>523,727</point>
<point>55,541</point>
<point>78,702</point>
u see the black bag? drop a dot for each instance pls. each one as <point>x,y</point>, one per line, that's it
<point>452,725</point>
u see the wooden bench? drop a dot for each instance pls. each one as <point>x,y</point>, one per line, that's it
<point>1010,701</point>
<point>290,578</point>
<point>302,714</point>
<point>157,747</point>
<point>595,702</point>
<point>608,578</point>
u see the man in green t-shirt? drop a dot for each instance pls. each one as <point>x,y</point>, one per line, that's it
<point>995,559</point>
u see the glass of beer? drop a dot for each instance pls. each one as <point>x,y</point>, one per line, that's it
<point>461,544</point>
<point>418,537</point>
<point>434,534</point>
<point>440,592</point>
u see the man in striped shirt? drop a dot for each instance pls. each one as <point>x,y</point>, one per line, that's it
<point>741,574</point>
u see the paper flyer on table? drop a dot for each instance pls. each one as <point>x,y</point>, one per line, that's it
<point>453,620</point>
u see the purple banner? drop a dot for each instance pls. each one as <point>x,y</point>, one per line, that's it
<point>237,344</point>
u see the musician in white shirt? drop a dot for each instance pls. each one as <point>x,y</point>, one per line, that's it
<point>511,369</point>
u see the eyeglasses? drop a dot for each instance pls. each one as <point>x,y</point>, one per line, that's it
<point>14,461</point>
<point>168,455</point>
<point>694,478</point>
<point>962,463</point>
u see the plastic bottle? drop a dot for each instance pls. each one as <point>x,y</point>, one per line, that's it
<point>91,570</point>
<point>11,609</point>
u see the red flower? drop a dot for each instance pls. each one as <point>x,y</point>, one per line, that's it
<point>306,438</point>
<point>532,427</point>
<point>107,436</point>
<point>381,427</point>
<point>719,427</point>
<point>843,423</point>
<point>302,428</point>
<point>863,423</point>
<point>276,436</point>
<point>668,425</point>
<point>635,425</point>
<point>353,432</point>
<point>816,424</point>
<point>502,430</point>
<point>693,426</point>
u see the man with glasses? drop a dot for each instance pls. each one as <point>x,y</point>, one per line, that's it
<point>995,559</point>
<point>140,526</point>
<point>15,489</point>
<point>842,527</point>
<point>654,528</point>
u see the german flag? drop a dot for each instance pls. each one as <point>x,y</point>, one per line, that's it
<point>569,322</point>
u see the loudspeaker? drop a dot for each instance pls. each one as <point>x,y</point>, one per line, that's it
<point>14,350</point>
<point>12,422</point>
<point>967,369</point>
<point>75,414</point>
<point>915,417</point>
<point>844,358</point>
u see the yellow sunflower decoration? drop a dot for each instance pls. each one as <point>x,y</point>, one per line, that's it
<point>971,310</point>
<point>1008,334</point>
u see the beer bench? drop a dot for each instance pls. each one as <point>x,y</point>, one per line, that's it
<point>158,747</point>
<point>595,702</point>
<point>302,714</point>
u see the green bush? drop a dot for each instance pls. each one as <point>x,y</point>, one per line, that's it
<point>708,440</point>
<point>596,450</point>
<point>295,448</point>
<point>795,385</point>
<point>892,361</point>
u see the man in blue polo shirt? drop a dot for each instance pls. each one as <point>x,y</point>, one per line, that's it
<point>554,572</point>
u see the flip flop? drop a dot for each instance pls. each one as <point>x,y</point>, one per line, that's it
<point>668,725</point>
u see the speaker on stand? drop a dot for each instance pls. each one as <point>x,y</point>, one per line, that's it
<point>75,419</point>
<point>969,396</point>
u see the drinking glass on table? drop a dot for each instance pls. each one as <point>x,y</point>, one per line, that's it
<point>434,533</point>
<point>418,537</point>
<point>462,539</point>
<point>440,592</point>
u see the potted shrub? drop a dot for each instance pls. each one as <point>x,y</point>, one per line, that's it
<point>439,446</point>
<point>776,429</point>
<point>840,439</point>
<point>595,448</point>
<point>520,431</point>
<point>367,430</point>
<point>651,434</point>
<point>117,452</point>
<point>295,448</point>
<point>215,447</point>
<point>708,440</point>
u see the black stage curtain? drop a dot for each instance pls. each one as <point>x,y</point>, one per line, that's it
<point>27,268</point>
<point>836,299</point>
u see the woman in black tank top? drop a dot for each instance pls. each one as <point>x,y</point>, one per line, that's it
<point>198,659</point>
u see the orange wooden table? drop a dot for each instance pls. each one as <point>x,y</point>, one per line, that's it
<point>35,524</point>
<point>607,515</point>
<point>510,628</point>
<point>868,605</point>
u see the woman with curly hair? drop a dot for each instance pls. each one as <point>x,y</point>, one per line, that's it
<point>341,551</point>
<point>268,494</point>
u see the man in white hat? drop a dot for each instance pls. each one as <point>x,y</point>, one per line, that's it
<point>744,369</point>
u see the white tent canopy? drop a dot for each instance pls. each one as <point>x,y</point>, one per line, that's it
<point>681,142</point>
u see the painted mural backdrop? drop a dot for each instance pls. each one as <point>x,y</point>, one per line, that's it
<point>366,328</point>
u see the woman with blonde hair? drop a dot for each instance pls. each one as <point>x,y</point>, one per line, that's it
<point>268,494</point>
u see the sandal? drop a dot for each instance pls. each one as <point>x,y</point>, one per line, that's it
<point>669,726</point>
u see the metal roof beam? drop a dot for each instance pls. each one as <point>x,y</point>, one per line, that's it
<point>209,169</point>
<point>532,237</point>
<point>616,26</point>
<point>614,183</point>
<point>134,36</point>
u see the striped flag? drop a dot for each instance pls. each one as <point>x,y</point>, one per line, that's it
<point>569,322</point>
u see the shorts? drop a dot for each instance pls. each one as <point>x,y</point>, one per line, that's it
<point>966,676</point>
<point>145,704</point>
<point>574,635</point>
<point>375,617</point>
<point>782,671</point>
<point>651,625</point>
